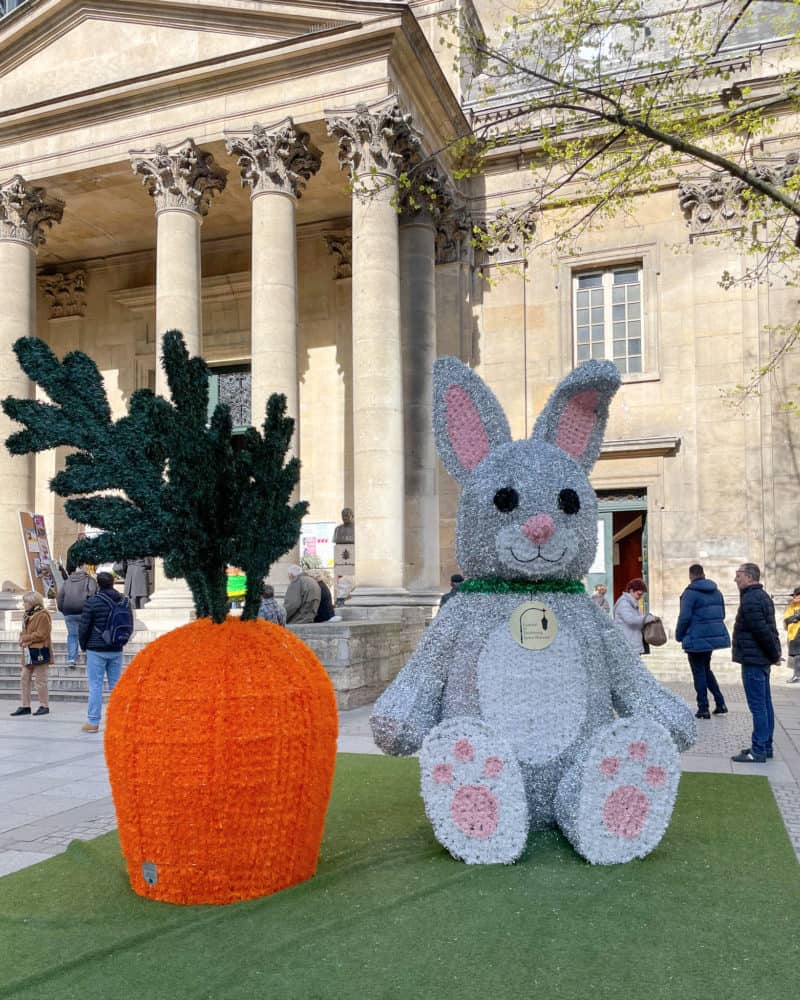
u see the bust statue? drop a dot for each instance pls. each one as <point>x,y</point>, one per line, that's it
<point>345,533</point>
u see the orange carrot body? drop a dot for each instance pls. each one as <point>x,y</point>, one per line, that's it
<point>221,748</point>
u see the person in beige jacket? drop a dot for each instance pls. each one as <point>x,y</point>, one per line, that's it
<point>37,627</point>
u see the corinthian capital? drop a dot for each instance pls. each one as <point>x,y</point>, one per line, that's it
<point>712,203</point>
<point>374,139</point>
<point>340,245</point>
<point>65,293</point>
<point>276,158</point>
<point>25,210</point>
<point>454,234</point>
<point>182,176</point>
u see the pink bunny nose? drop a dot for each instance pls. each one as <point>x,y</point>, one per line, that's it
<point>539,529</point>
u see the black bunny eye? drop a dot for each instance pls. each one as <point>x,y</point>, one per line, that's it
<point>506,499</point>
<point>568,501</point>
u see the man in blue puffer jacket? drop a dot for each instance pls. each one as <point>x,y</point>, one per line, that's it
<point>701,629</point>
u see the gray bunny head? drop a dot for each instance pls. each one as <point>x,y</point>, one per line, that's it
<point>527,509</point>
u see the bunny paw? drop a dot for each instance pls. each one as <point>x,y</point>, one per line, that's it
<point>616,802</point>
<point>473,792</point>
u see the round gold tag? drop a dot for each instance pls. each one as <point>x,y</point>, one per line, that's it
<point>533,626</point>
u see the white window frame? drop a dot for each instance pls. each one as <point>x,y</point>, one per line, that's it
<point>645,255</point>
<point>585,316</point>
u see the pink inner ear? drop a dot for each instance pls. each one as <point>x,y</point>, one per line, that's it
<point>465,429</point>
<point>577,423</point>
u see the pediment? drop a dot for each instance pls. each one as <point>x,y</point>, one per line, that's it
<point>57,48</point>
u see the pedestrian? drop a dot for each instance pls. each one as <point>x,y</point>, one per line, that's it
<point>791,622</point>
<point>455,582</point>
<point>325,610</point>
<point>302,597</point>
<point>137,579</point>
<point>269,609</point>
<point>34,641</point>
<point>701,629</point>
<point>599,597</point>
<point>628,615</point>
<point>756,647</point>
<point>103,659</point>
<point>79,586</point>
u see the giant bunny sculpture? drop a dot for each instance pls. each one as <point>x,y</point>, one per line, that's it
<point>524,700</point>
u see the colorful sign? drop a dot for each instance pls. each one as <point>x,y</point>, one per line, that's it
<point>37,553</point>
<point>316,539</point>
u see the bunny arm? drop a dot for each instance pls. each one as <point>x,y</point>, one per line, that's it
<point>412,705</point>
<point>634,691</point>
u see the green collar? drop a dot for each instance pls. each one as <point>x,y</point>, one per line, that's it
<point>495,585</point>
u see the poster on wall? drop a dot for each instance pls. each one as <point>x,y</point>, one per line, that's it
<point>316,539</point>
<point>37,553</point>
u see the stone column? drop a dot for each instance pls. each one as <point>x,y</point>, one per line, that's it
<point>25,211</point>
<point>376,143</point>
<point>454,335</point>
<point>65,300</point>
<point>276,162</point>
<point>418,316</point>
<point>182,179</point>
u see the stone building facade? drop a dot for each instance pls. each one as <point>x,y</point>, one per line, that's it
<point>230,169</point>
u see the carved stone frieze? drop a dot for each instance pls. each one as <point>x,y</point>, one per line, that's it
<point>275,158</point>
<point>25,211</point>
<point>712,204</point>
<point>65,293</point>
<point>376,138</point>
<point>506,236</point>
<point>181,176</point>
<point>340,245</point>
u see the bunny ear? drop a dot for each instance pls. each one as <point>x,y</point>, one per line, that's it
<point>576,413</point>
<point>468,422</point>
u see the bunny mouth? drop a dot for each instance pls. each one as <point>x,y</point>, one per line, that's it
<point>538,556</point>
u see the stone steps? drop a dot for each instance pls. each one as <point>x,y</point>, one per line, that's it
<point>63,684</point>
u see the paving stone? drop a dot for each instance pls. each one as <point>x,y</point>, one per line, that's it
<point>15,861</point>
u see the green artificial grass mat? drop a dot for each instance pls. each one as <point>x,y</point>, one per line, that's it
<point>714,911</point>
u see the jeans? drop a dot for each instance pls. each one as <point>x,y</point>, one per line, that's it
<point>759,700</point>
<point>72,622</point>
<point>704,680</point>
<point>97,666</point>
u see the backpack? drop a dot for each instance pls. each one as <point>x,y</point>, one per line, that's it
<point>119,627</point>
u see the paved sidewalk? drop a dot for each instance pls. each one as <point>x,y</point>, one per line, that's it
<point>54,785</point>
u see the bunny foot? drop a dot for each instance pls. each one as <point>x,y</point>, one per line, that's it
<point>473,793</point>
<point>616,802</point>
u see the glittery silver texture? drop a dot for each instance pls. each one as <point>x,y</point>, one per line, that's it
<point>587,730</point>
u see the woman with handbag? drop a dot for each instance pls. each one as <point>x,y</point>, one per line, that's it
<point>34,641</point>
<point>628,615</point>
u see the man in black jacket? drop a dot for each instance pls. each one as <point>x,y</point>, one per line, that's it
<point>756,646</point>
<point>101,659</point>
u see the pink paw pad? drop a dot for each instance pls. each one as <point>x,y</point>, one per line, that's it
<point>609,766</point>
<point>638,750</point>
<point>656,777</point>
<point>493,767</point>
<point>463,751</point>
<point>625,811</point>
<point>443,774</point>
<point>474,811</point>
